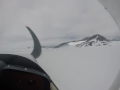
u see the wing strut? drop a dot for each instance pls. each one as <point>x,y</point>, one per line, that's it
<point>37,47</point>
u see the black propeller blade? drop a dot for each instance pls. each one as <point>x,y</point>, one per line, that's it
<point>37,47</point>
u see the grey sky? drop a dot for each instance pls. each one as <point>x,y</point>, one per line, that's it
<point>55,18</point>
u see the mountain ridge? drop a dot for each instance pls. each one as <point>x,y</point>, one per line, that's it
<point>94,40</point>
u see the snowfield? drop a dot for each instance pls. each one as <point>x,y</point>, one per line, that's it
<point>86,68</point>
<point>78,68</point>
<point>75,43</point>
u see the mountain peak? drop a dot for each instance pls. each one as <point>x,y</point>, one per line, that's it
<point>95,40</point>
<point>98,37</point>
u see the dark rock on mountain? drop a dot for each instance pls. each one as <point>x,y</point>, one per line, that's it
<point>98,37</point>
<point>61,45</point>
<point>96,40</point>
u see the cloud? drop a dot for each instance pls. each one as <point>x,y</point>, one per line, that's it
<point>55,18</point>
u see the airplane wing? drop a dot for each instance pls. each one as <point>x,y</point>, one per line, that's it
<point>113,7</point>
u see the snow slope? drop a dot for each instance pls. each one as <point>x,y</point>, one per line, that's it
<point>95,40</point>
<point>91,68</point>
<point>75,43</point>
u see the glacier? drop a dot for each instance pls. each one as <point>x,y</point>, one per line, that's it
<point>86,68</point>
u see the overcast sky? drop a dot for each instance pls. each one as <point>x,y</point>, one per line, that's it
<point>52,19</point>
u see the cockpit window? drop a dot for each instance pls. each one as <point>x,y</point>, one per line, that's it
<point>80,39</point>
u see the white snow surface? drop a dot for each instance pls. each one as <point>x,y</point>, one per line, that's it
<point>86,68</point>
<point>73,68</point>
<point>75,43</point>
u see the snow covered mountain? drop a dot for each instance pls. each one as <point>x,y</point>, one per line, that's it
<point>95,40</point>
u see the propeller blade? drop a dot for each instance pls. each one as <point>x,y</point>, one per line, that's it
<point>37,47</point>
